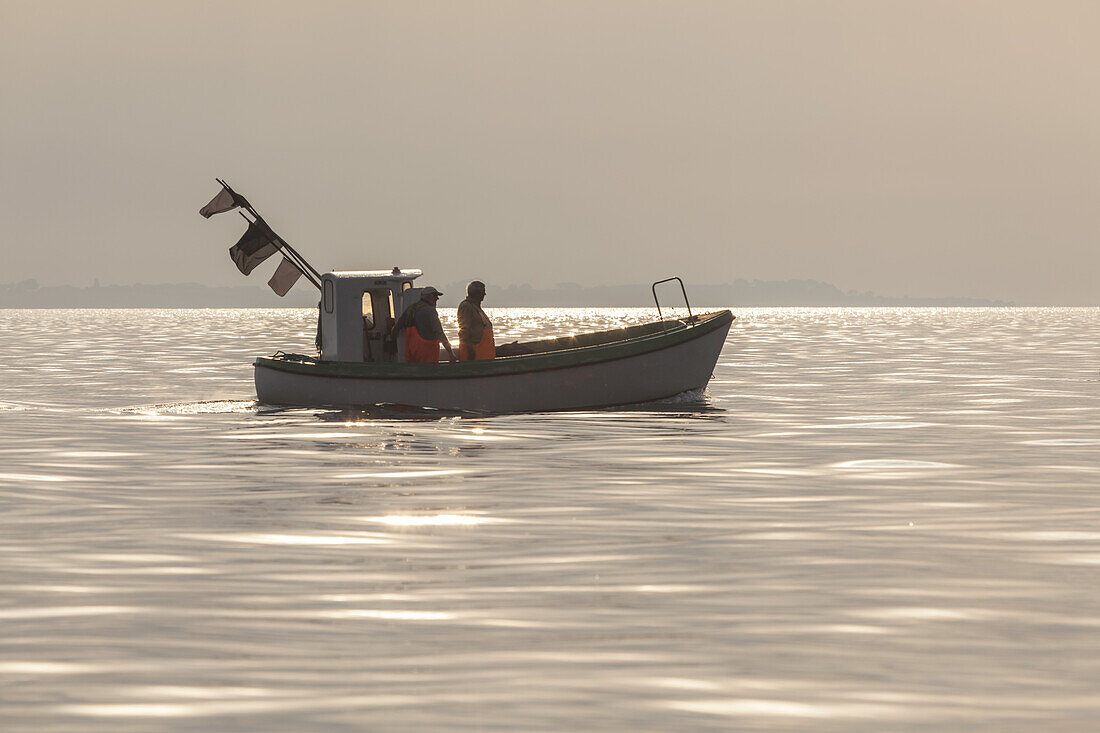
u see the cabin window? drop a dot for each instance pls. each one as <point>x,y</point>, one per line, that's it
<point>378,309</point>
<point>328,296</point>
<point>405,286</point>
<point>367,310</point>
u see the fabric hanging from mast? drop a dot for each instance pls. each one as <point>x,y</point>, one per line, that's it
<point>224,201</point>
<point>284,278</point>
<point>252,249</point>
<point>260,242</point>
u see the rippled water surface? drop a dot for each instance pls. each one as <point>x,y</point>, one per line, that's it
<point>874,519</point>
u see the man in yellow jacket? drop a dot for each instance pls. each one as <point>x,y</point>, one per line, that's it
<point>475,331</point>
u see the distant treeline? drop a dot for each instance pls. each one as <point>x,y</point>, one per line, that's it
<point>29,294</point>
<point>743,293</point>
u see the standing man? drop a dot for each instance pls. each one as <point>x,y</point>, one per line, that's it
<point>475,331</point>
<point>422,328</point>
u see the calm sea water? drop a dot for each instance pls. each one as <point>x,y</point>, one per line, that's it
<point>874,519</point>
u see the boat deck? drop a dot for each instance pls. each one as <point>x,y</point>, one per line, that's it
<point>593,338</point>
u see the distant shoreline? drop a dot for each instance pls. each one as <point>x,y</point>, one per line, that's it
<point>740,293</point>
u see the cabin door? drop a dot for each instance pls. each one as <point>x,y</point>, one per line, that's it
<point>378,320</point>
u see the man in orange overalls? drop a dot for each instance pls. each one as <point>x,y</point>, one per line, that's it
<point>423,331</point>
<point>475,331</point>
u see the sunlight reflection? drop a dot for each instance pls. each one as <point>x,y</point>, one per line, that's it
<point>43,668</point>
<point>873,418</point>
<point>430,520</point>
<point>679,683</point>
<point>389,615</point>
<point>267,705</point>
<point>892,463</point>
<point>187,692</point>
<point>1063,441</point>
<point>137,557</point>
<point>297,436</point>
<point>403,474</point>
<point>1069,559</point>
<point>115,570</point>
<point>151,416</point>
<point>923,614</point>
<point>480,435</point>
<point>398,566</point>
<point>37,477</point>
<point>852,629</point>
<point>882,425</point>
<point>288,539</point>
<point>64,611</point>
<point>1051,535</point>
<point>782,708</point>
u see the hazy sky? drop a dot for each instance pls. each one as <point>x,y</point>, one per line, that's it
<point>921,148</point>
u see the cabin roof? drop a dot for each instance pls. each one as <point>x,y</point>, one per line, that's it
<point>395,274</point>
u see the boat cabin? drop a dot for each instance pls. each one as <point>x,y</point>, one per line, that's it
<point>358,310</point>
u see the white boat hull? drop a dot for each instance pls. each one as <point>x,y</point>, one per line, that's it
<point>657,374</point>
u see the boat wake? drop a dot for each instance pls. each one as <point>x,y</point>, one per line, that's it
<point>387,411</point>
<point>691,402</point>
<point>690,397</point>
<point>208,407</point>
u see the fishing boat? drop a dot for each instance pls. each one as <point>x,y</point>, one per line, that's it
<point>361,364</point>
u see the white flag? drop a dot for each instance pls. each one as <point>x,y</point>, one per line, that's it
<point>284,278</point>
